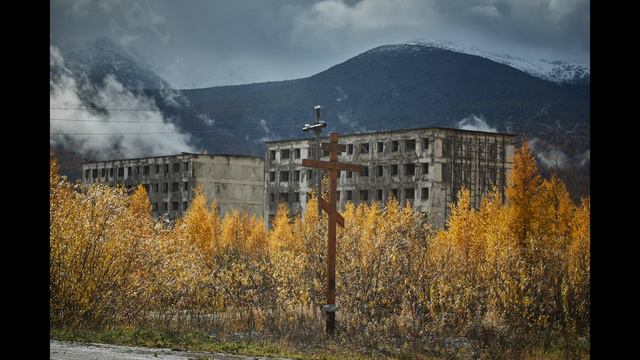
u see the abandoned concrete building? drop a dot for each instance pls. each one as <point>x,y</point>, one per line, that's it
<point>425,167</point>
<point>234,181</point>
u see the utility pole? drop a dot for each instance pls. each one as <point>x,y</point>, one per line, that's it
<point>317,128</point>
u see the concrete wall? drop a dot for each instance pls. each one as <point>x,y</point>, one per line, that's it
<point>235,182</point>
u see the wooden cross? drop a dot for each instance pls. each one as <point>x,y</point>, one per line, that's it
<point>334,168</point>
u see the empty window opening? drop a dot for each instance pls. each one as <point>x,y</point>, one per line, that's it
<point>410,169</point>
<point>410,145</point>
<point>425,193</point>
<point>409,194</point>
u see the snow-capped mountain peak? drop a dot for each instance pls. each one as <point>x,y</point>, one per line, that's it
<point>552,70</point>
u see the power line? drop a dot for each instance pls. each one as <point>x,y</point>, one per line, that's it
<point>112,121</point>
<point>87,109</point>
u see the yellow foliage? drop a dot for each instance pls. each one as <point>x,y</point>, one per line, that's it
<point>513,268</point>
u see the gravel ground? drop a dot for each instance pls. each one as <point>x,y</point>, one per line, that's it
<point>67,350</point>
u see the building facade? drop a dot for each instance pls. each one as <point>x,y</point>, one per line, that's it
<point>233,181</point>
<point>426,167</point>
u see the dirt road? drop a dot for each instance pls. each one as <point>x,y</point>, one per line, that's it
<point>66,350</point>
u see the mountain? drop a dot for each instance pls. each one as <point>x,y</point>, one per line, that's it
<point>103,56</point>
<point>401,86</point>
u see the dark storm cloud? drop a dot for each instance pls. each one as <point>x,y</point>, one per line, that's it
<point>205,43</point>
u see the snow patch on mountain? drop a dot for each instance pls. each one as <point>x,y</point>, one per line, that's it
<point>551,70</point>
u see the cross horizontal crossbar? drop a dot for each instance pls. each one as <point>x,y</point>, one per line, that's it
<point>331,165</point>
<point>325,206</point>
<point>333,146</point>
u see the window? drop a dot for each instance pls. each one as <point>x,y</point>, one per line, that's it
<point>349,149</point>
<point>296,175</point>
<point>425,144</point>
<point>366,171</point>
<point>284,176</point>
<point>425,169</point>
<point>410,169</point>
<point>94,173</point>
<point>379,170</point>
<point>175,206</point>
<point>145,170</point>
<point>110,172</point>
<point>325,153</point>
<point>309,174</point>
<point>410,145</point>
<point>155,206</point>
<point>425,193</point>
<point>166,168</point>
<point>349,174</point>
<point>165,206</point>
<point>176,167</point>
<point>364,195</point>
<point>364,148</point>
<point>394,170</point>
<point>103,172</point>
<point>129,171</point>
<point>394,146</point>
<point>272,176</point>
<point>379,194</point>
<point>284,154</point>
<point>272,154</point>
<point>185,206</point>
<point>272,197</point>
<point>284,197</point>
<point>409,194</point>
<point>86,174</point>
<point>175,186</point>
<point>165,187</point>
<point>155,187</point>
<point>296,153</point>
<point>157,169</point>
<point>296,197</point>
<point>380,146</point>
<point>185,186</point>
<point>146,187</point>
<point>121,172</point>
<point>137,170</point>
<point>349,195</point>
<point>394,193</point>
<point>185,166</point>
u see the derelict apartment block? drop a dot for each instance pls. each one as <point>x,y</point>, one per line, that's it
<point>234,181</point>
<point>425,167</point>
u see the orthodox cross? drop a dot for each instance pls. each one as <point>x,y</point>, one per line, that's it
<point>334,168</point>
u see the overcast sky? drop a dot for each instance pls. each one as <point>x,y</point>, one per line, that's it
<point>202,43</point>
